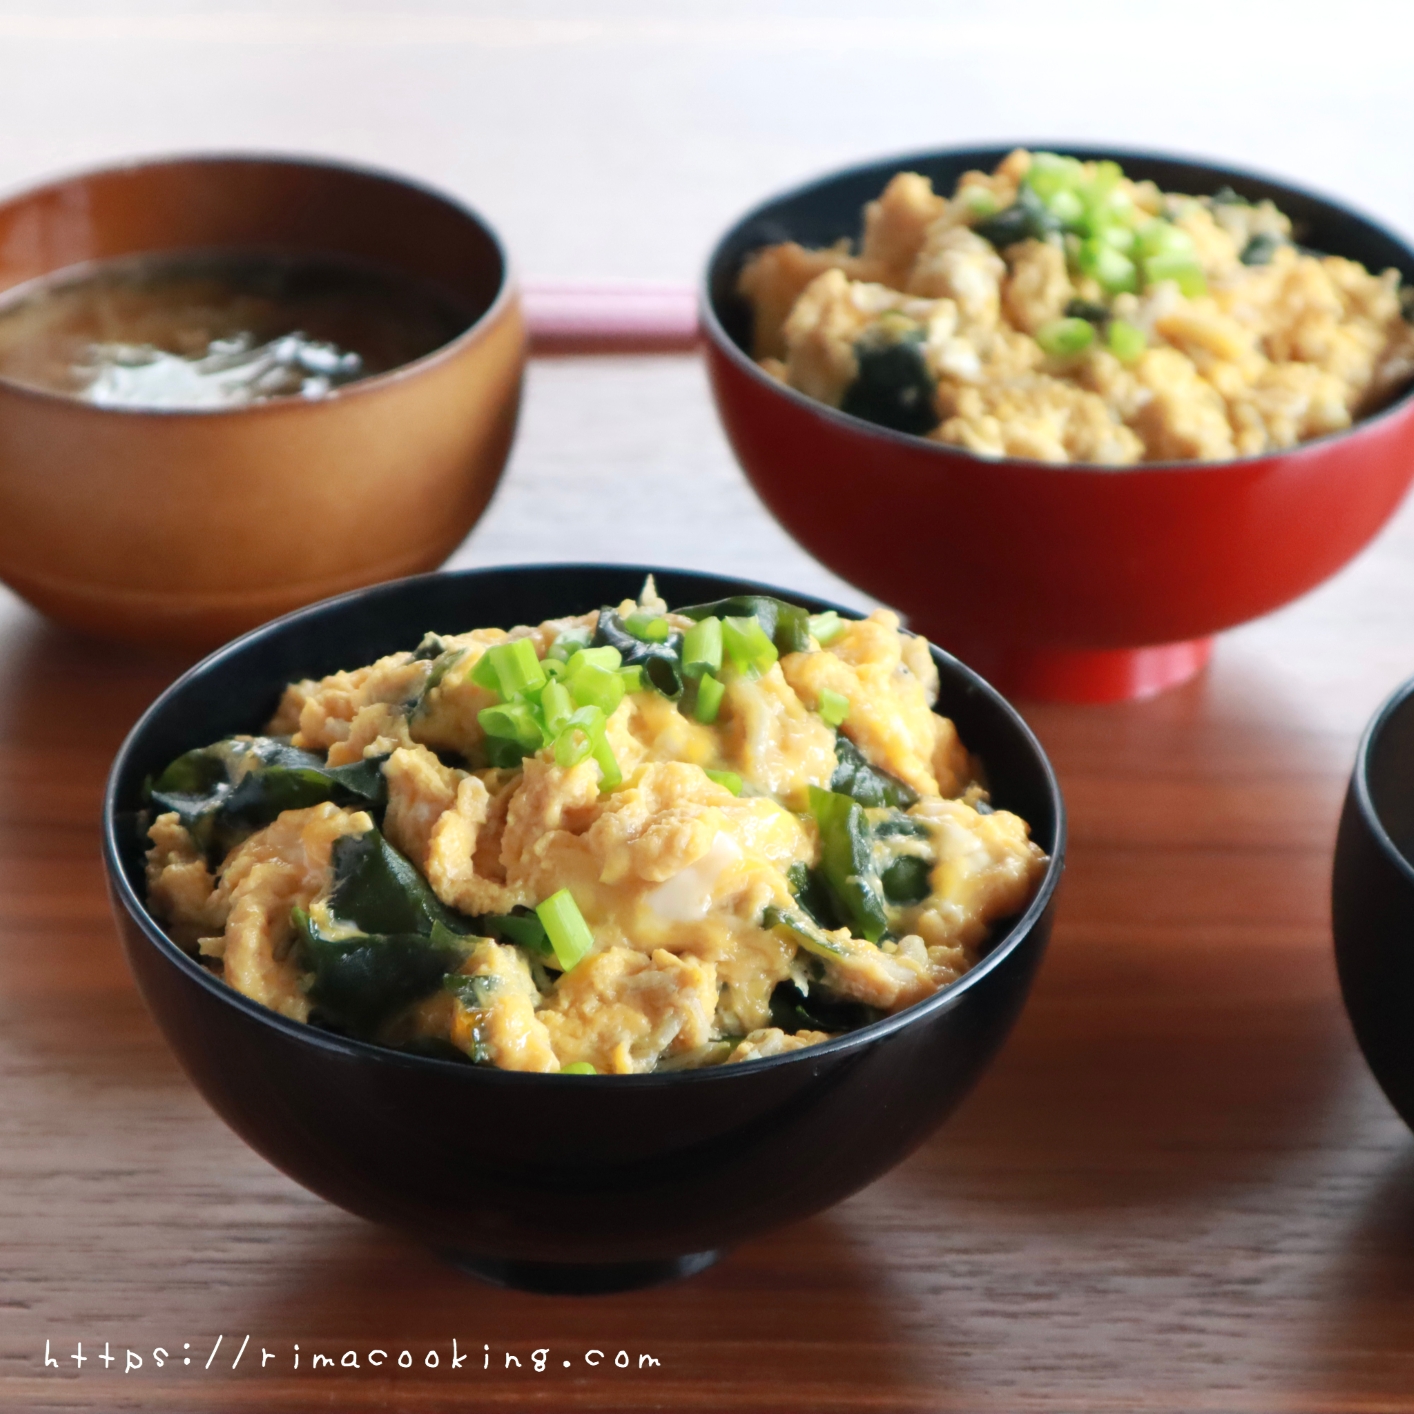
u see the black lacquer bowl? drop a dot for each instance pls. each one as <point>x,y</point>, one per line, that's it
<point>1372,899</point>
<point>564,1183</point>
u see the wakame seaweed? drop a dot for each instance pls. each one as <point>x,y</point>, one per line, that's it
<point>391,940</point>
<point>225,792</point>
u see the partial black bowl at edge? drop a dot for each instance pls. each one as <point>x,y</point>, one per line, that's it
<point>1372,898</point>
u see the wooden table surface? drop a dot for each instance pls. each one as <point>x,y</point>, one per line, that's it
<point>1178,1188</point>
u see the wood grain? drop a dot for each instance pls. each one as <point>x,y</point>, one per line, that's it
<point>1177,1189</point>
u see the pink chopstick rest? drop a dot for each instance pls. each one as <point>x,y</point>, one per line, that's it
<point>565,316</point>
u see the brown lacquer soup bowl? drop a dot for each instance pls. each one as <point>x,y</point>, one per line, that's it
<point>188,526</point>
<point>1070,582</point>
<point>561,1182</point>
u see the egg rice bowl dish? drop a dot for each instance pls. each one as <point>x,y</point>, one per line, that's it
<point>1057,310</point>
<point>630,840</point>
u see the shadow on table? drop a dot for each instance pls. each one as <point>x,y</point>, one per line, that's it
<point>1362,1311</point>
<point>66,702</point>
<point>1185,1033</point>
<point>791,1321</point>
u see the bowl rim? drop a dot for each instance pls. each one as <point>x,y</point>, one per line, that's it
<point>721,342</point>
<point>506,290</point>
<point>1360,778</point>
<point>945,998</point>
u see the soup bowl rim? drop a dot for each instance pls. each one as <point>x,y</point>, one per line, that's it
<point>506,290</point>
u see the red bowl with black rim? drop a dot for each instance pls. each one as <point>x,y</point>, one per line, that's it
<point>1063,582</point>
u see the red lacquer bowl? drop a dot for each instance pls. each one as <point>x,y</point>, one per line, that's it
<point>1069,583</point>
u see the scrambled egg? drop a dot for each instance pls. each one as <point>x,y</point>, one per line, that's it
<point>1058,340</point>
<point>681,877</point>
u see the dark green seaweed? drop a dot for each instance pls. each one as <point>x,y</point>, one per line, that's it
<point>225,792</point>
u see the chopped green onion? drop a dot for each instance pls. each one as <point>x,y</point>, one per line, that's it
<point>1110,267</point>
<point>1066,206</point>
<point>1162,237</point>
<point>826,627</point>
<point>979,201</point>
<point>1102,181</point>
<point>569,933</point>
<point>1126,341</point>
<point>503,752</point>
<point>592,686</point>
<point>556,704</point>
<point>609,773</point>
<point>1182,269</point>
<point>554,667</point>
<point>748,646</point>
<point>729,779</point>
<point>833,708</point>
<point>1116,234</point>
<point>606,657</point>
<point>512,721</point>
<point>709,699</point>
<point>577,736</point>
<point>648,628</point>
<point>572,747</point>
<point>633,678</point>
<point>569,642</point>
<point>578,1068</point>
<point>513,669</point>
<point>1062,338</point>
<point>1051,173</point>
<point>702,648</point>
<point>484,674</point>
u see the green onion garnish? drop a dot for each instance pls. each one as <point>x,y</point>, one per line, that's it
<point>568,643</point>
<point>517,667</point>
<point>578,1068</point>
<point>1126,341</point>
<point>484,674</point>
<point>1160,237</point>
<point>555,705</point>
<point>569,933</point>
<point>729,779</point>
<point>1182,269</point>
<point>980,202</point>
<point>702,648</point>
<point>709,699</point>
<point>605,657</point>
<point>577,735</point>
<point>826,627</point>
<point>593,686</point>
<point>648,628</point>
<point>833,708</point>
<point>748,646</point>
<point>1050,174</point>
<point>512,721</point>
<point>603,753</point>
<point>1110,267</point>
<point>633,678</point>
<point>1066,206</point>
<point>1062,338</point>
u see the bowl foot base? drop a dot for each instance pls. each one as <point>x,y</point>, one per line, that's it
<point>1089,674</point>
<point>581,1278</point>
